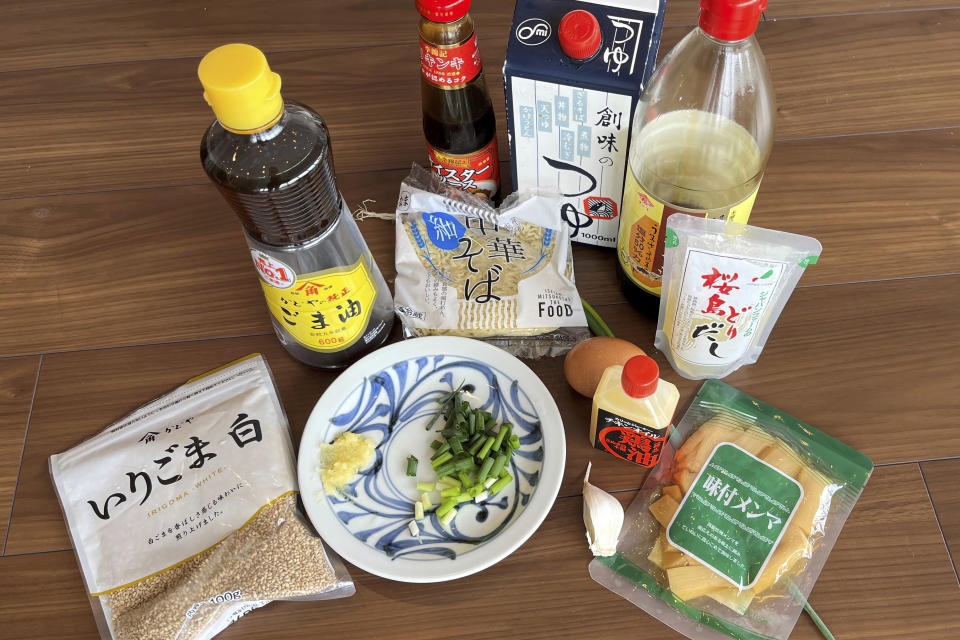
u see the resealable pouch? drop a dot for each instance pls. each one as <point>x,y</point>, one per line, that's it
<point>184,516</point>
<point>724,287</point>
<point>503,275</point>
<point>727,537</point>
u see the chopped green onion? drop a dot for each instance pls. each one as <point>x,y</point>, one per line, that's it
<point>426,486</point>
<point>450,492</point>
<point>485,469</point>
<point>515,441</point>
<point>498,465</point>
<point>485,449</point>
<point>464,478</point>
<point>446,506</point>
<point>433,421</point>
<point>445,520</point>
<point>475,447</point>
<point>489,482</point>
<point>442,458</point>
<point>436,444</point>
<point>476,490</point>
<point>447,481</point>
<point>442,449</point>
<point>464,497</point>
<point>500,484</point>
<point>505,430</point>
<point>425,501</point>
<point>453,466</point>
<point>413,528</point>
<point>483,495</point>
<point>412,463</point>
<point>456,446</point>
<point>418,510</point>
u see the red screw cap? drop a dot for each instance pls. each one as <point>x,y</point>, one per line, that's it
<point>640,376</point>
<point>443,10</point>
<point>579,34</point>
<point>731,19</point>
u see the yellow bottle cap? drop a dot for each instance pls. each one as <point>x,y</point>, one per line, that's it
<point>241,89</point>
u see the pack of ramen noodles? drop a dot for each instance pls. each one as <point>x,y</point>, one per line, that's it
<point>730,532</point>
<point>503,275</point>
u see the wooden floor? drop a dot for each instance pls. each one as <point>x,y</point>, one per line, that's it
<point>122,273</point>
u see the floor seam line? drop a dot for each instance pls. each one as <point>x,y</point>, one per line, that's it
<point>23,450</point>
<point>936,516</point>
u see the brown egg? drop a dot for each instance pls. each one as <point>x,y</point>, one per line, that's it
<point>587,360</point>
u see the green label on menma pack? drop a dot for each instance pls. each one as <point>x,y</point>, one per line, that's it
<point>734,514</point>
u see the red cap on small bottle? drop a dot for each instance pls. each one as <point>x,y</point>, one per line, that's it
<point>579,34</point>
<point>443,10</point>
<point>640,376</point>
<point>731,19</point>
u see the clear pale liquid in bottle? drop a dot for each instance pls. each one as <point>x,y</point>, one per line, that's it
<point>702,134</point>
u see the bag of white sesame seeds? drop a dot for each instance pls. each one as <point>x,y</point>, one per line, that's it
<point>184,516</point>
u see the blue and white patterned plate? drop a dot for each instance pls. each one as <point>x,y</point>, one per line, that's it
<point>390,396</point>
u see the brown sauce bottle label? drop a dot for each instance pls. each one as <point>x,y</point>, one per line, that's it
<point>629,440</point>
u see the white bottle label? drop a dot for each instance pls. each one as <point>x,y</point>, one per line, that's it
<point>722,299</point>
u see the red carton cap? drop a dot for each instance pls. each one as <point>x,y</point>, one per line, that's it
<point>579,34</point>
<point>731,19</point>
<point>443,10</point>
<point>640,376</point>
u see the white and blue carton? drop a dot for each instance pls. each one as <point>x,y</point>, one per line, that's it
<point>569,121</point>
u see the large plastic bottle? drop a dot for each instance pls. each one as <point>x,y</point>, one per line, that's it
<point>702,134</point>
<point>272,161</point>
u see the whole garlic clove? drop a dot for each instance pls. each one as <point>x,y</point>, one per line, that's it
<point>603,517</point>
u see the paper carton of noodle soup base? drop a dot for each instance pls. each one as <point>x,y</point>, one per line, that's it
<point>569,120</point>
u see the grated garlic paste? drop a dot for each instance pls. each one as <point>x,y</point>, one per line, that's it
<point>343,459</point>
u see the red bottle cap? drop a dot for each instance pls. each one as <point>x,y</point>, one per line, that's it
<point>443,10</point>
<point>640,376</point>
<point>731,19</point>
<point>579,34</point>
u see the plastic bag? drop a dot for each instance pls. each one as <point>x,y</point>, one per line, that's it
<point>724,287</point>
<point>503,276</point>
<point>184,516</point>
<point>728,535</point>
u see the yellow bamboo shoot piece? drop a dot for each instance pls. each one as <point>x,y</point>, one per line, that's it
<point>694,581</point>
<point>674,492</point>
<point>684,479</point>
<point>794,546</point>
<point>663,510</point>
<point>776,455</point>
<point>732,598</point>
<point>816,499</point>
<point>673,559</point>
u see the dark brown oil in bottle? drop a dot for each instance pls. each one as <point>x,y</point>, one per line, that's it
<point>281,184</point>
<point>458,119</point>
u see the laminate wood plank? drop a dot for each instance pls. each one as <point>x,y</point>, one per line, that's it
<point>18,378</point>
<point>882,206</point>
<point>890,539</point>
<point>863,74</point>
<point>811,368</point>
<point>143,30</point>
<point>943,482</point>
<point>43,596</point>
<point>117,126</point>
<point>804,8</point>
